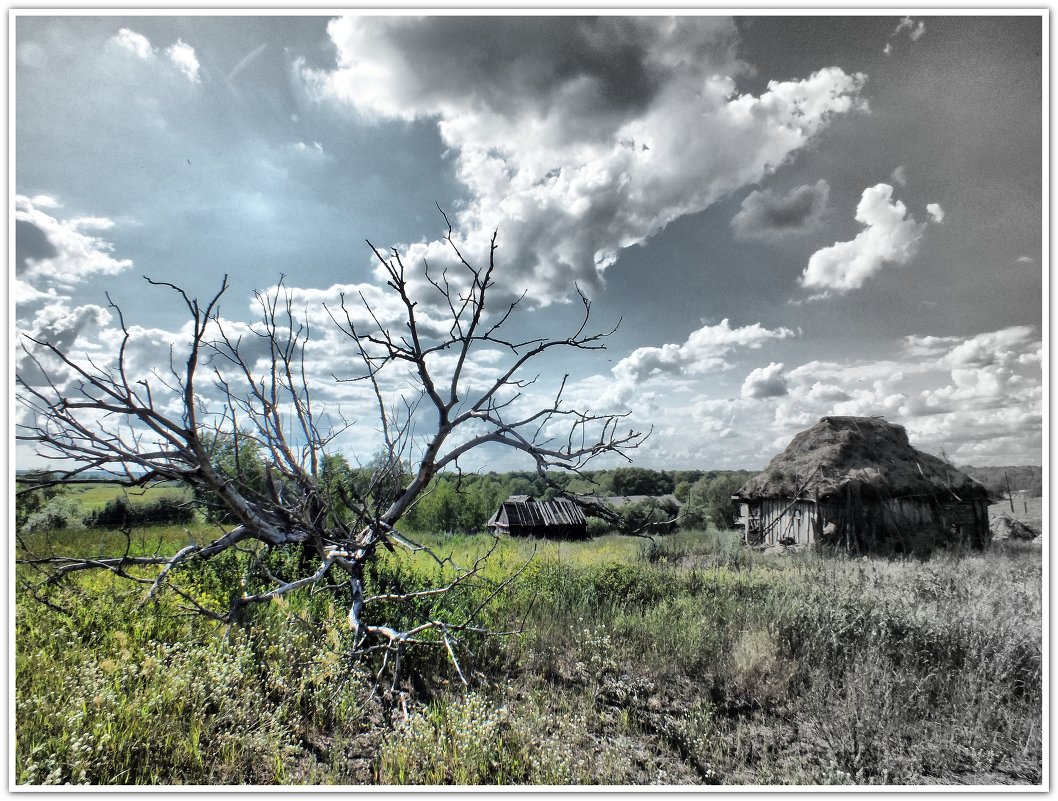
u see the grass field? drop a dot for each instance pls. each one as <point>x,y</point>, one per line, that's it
<point>94,496</point>
<point>694,661</point>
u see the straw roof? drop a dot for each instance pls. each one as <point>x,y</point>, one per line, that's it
<point>865,453</point>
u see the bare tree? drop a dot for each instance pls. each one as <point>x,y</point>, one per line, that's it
<point>246,391</point>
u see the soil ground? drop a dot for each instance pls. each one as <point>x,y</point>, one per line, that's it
<point>1027,510</point>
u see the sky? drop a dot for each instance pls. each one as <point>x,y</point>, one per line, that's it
<point>788,216</point>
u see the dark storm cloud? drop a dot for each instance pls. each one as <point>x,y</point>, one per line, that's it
<point>508,63</point>
<point>578,138</point>
<point>31,243</point>
<point>768,213</point>
<point>59,325</point>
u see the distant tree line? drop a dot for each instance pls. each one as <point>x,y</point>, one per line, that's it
<point>454,503</point>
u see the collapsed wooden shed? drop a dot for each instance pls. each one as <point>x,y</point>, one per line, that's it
<point>856,483</point>
<point>522,516</point>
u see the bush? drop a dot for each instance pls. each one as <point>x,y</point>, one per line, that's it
<point>58,513</point>
<point>650,515</point>
<point>119,513</point>
<point>597,527</point>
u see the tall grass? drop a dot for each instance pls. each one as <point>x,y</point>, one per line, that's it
<point>690,660</point>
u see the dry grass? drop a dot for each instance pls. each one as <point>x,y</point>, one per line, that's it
<point>687,663</point>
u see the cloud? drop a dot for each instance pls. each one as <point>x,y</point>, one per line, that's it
<point>765,382</point>
<point>961,394</point>
<point>25,293</point>
<point>576,137</point>
<point>183,56</point>
<point>996,348</point>
<point>951,392</point>
<point>766,213</point>
<point>59,324</point>
<point>1025,260</point>
<point>936,213</point>
<point>704,351</point>
<point>915,30</point>
<point>928,346</point>
<point>134,42</point>
<point>978,398</point>
<point>899,175</point>
<point>60,252</point>
<point>890,236</point>
<point>979,413</point>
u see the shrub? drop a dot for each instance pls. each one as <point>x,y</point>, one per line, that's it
<point>120,513</point>
<point>597,527</point>
<point>57,513</point>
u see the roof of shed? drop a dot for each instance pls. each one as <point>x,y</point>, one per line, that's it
<point>529,513</point>
<point>867,453</point>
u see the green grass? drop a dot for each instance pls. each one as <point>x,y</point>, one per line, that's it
<point>692,661</point>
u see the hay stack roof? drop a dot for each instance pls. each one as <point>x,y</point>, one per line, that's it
<point>866,453</point>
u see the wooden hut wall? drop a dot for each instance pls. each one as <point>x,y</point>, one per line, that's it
<point>860,524</point>
<point>770,520</point>
<point>909,524</point>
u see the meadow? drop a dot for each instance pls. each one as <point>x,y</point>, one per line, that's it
<point>686,660</point>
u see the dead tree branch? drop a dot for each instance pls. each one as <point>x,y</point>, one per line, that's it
<point>234,418</point>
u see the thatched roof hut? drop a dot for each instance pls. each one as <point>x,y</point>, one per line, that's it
<point>873,455</point>
<point>858,482</point>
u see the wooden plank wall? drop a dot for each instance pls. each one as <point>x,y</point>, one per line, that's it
<point>767,521</point>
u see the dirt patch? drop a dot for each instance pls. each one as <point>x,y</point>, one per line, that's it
<point>1007,528</point>
<point>1026,510</point>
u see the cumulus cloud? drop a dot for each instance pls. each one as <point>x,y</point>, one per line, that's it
<point>765,382</point>
<point>60,251</point>
<point>928,346</point>
<point>995,348</point>
<point>180,53</point>
<point>951,392</point>
<point>978,398</point>
<point>134,42</point>
<point>899,175</point>
<point>936,213</point>
<point>577,137</point>
<point>60,324</point>
<point>53,255</point>
<point>890,236</point>
<point>767,213</point>
<point>705,350</point>
<point>1025,260</point>
<point>183,56</point>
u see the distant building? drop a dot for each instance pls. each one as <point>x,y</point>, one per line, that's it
<point>522,516</point>
<point>856,483</point>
